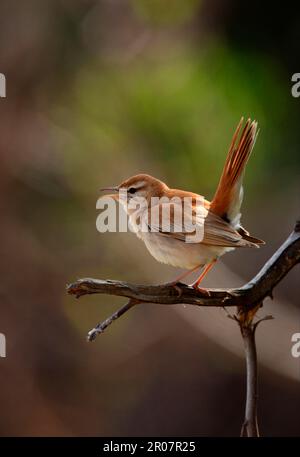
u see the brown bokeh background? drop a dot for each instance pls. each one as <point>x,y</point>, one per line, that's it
<point>98,91</point>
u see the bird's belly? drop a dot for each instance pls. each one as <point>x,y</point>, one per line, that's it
<point>180,254</point>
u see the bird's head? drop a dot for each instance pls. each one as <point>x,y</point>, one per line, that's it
<point>140,186</point>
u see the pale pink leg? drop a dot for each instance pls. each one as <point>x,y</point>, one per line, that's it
<point>203,274</point>
<point>184,275</point>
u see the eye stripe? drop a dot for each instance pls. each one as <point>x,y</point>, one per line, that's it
<point>139,185</point>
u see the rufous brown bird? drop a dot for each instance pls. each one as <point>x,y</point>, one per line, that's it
<point>218,221</point>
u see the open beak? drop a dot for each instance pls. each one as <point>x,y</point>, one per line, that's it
<point>111,189</point>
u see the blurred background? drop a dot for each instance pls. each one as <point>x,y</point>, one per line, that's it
<point>98,91</point>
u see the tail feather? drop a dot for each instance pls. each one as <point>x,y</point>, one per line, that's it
<point>228,197</point>
<point>252,239</point>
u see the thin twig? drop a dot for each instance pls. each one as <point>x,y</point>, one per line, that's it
<point>99,328</point>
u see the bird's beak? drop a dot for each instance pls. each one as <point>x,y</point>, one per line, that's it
<point>111,189</point>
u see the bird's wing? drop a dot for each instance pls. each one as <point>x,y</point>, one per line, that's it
<point>193,225</point>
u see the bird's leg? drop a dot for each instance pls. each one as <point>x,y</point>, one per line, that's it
<point>183,275</point>
<point>195,284</point>
<point>178,278</point>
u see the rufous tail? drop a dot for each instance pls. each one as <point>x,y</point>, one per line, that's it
<point>229,195</point>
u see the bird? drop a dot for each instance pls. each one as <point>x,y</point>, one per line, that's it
<point>218,221</point>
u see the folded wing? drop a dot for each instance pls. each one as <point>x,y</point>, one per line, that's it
<point>194,224</point>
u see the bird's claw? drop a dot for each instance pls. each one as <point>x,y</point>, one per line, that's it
<point>201,290</point>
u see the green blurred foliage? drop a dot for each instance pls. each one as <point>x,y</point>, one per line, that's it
<point>178,116</point>
<point>165,12</point>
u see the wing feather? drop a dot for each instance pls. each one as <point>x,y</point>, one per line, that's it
<point>189,225</point>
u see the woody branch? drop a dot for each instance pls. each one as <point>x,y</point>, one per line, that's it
<point>248,299</point>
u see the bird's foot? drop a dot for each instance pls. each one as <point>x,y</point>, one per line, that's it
<point>201,290</point>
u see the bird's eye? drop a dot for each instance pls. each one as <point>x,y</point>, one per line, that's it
<point>132,190</point>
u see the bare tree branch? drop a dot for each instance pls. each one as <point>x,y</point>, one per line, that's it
<point>248,299</point>
<point>250,426</point>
